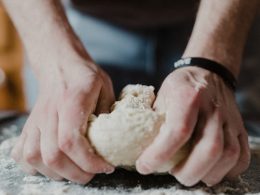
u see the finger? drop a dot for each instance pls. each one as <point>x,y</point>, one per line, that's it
<point>17,155</point>
<point>174,133</point>
<point>55,159</point>
<point>17,150</point>
<point>244,159</point>
<point>106,98</point>
<point>75,145</point>
<point>206,152</point>
<point>104,102</point>
<point>32,155</point>
<point>227,161</point>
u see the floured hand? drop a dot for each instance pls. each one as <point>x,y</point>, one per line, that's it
<point>198,105</point>
<point>53,139</point>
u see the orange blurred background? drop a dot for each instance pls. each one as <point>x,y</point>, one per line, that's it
<point>11,61</point>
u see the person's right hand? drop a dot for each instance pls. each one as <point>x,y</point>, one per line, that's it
<point>53,140</point>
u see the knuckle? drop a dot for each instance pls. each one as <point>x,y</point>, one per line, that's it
<point>161,157</point>
<point>232,151</point>
<point>105,77</point>
<point>192,97</point>
<point>53,159</point>
<point>93,80</point>
<point>32,157</point>
<point>183,132</point>
<point>216,148</point>
<point>66,143</point>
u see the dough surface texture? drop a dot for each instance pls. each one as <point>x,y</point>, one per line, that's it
<point>122,135</point>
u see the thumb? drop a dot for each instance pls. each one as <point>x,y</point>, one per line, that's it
<point>106,96</point>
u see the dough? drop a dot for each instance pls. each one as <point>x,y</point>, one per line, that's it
<point>122,135</point>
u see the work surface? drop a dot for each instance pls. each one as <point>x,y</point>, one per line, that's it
<point>13,181</point>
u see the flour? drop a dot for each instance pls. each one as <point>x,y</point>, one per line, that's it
<point>13,181</point>
<point>3,193</point>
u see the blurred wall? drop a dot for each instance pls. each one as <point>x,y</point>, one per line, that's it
<point>11,60</point>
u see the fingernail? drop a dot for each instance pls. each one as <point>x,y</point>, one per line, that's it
<point>172,171</point>
<point>209,184</point>
<point>109,170</point>
<point>57,178</point>
<point>143,168</point>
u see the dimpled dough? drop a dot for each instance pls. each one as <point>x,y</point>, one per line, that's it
<point>121,136</point>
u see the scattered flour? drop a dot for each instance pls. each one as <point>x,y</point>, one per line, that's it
<point>13,181</point>
<point>3,193</point>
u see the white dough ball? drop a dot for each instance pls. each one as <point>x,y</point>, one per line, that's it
<point>122,135</point>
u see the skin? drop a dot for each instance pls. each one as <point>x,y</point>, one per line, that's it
<point>206,108</point>
<point>72,86</point>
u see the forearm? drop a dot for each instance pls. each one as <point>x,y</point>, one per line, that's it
<point>220,31</point>
<point>45,31</point>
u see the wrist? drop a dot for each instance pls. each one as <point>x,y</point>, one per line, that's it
<point>59,50</point>
<point>47,35</point>
<point>230,58</point>
<point>220,32</point>
<point>211,66</point>
<point>55,45</point>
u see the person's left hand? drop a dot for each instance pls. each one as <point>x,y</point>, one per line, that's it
<point>200,108</point>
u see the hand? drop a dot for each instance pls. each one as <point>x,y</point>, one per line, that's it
<point>199,108</point>
<point>53,139</point>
